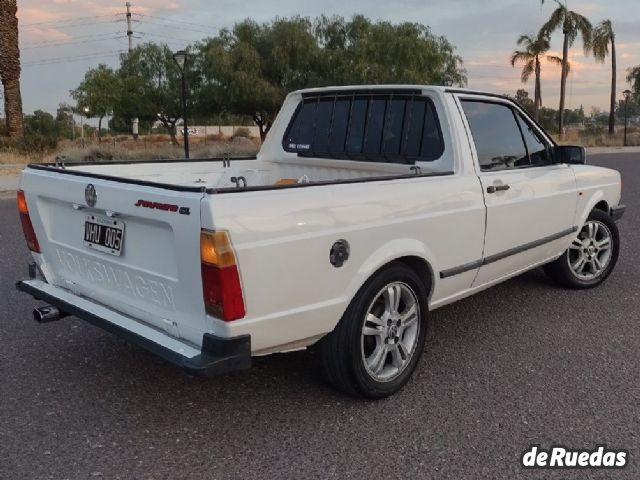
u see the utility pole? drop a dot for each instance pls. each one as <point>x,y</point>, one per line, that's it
<point>129,31</point>
<point>180,58</point>
<point>134,121</point>
<point>627,94</point>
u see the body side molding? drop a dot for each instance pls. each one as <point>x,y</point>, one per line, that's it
<point>507,253</point>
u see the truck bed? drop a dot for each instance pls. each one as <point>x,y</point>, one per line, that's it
<point>220,173</point>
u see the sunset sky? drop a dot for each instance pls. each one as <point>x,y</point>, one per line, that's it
<point>61,39</point>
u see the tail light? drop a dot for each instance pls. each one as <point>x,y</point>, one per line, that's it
<point>221,286</point>
<point>27,226</point>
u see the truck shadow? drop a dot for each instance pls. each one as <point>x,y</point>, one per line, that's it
<point>113,365</point>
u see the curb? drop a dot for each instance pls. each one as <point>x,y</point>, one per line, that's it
<point>611,150</point>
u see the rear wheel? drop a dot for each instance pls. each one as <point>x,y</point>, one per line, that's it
<point>592,255</point>
<point>377,343</point>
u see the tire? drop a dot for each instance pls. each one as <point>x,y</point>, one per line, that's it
<point>377,361</point>
<point>591,257</point>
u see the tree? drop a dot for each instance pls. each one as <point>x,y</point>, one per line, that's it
<point>98,93</point>
<point>534,47</point>
<point>633,77</point>
<point>65,121</point>
<point>46,125</point>
<point>603,35</point>
<point>42,123</point>
<point>250,68</point>
<point>548,118</point>
<point>572,25</point>
<point>632,106</point>
<point>359,51</point>
<point>150,86</point>
<point>522,98</point>
<point>246,71</point>
<point>10,67</point>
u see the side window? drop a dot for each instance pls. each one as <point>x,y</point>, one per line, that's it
<point>340,125</point>
<point>324,113</point>
<point>390,128</point>
<point>431,138</point>
<point>301,132</point>
<point>375,123</point>
<point>357,122</point>
<point>496,135</point>
<point>415,121</point>
<point>537,148</point>
<point>392,138</point>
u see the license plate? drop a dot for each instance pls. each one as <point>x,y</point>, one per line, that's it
<point>104,234</point>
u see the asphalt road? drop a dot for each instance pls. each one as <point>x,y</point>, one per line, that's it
<point>522,363</point>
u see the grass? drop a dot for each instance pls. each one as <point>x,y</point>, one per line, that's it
<point>157,147</point>
<point>152,147</point>
<point>15,158</point>
<point>591,139</point>
<point>155,150</point>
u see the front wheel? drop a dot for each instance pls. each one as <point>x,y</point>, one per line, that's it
<point>592,255</point>
<point>377,343</point>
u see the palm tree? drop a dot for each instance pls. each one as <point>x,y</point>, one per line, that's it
<point>572,24</point>
<point>603,35</point>
<point>534,47</point>
<point>10,66</point>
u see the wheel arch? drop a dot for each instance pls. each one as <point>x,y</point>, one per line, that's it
<point>412,253</point>
<point>422,268</point>
<point>596,201</point>
<point>601,205</point>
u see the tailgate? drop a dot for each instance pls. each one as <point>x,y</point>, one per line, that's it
<point>154,276</point>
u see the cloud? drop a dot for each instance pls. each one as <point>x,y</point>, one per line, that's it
<point>31,15</point>
<point>484,33</point>
<point>44,35</point>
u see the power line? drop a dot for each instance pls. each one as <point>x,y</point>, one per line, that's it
<point>172,20</point>
<point>50,61</point>
<point>79,42</point>
<point>75,37</point>
<point>165,37</point>
<point>70,19</point>
<point>177,27</point>
<point>72,25</point>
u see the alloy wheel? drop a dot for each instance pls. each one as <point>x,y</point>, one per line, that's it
<point>390,332</point>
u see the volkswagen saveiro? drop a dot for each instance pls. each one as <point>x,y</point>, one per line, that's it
<point>366,208</point>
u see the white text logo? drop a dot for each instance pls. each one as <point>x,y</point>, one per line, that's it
<point>563,457</point>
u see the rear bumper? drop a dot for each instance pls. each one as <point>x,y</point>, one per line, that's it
<point>617,212</point>
<point>217,355</point>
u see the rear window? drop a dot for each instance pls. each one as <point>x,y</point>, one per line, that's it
<point>390,128</point>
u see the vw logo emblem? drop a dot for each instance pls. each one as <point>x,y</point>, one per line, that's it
<point>90,195</point>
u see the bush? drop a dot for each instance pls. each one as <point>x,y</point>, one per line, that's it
<point>214,137</point>
<point>242,132</point>
<point>30,143</point>
<point>592,130</point>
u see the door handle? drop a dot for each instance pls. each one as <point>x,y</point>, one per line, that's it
<point>498,188</point>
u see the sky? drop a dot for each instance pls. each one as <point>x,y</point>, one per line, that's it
<point>61,39</point>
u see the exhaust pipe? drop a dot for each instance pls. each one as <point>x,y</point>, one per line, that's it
<point>48,314</point>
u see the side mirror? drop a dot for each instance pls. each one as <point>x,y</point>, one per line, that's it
<point>572,154</point>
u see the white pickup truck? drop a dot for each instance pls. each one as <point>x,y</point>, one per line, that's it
<point>366,208</point>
